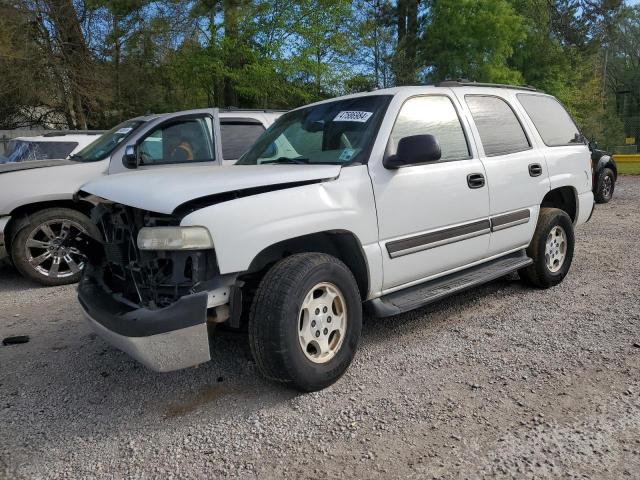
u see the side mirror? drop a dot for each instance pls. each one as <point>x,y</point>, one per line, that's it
<point>130,157</point>
<point>414,150</point>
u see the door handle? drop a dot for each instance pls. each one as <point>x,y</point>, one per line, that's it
<point>475,180</point>
<point>535,170</point>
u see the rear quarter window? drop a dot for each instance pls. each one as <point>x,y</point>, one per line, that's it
<point>500,130</point>
<point>238,137</point>
<point>550,118</point>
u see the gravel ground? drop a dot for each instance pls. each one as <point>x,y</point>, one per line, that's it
<point>502,381</point>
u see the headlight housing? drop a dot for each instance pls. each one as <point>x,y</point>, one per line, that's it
<point>174,238</point>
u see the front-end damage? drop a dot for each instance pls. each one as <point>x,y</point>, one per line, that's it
<point>157,306</point>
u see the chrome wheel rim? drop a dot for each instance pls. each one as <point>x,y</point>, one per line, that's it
<point>49,251</point>
<point>607,184</point>
<point>322,322</point>
<point>555,250</point>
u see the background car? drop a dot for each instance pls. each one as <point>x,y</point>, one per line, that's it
<point>49,146</point>
<point>605,174</point>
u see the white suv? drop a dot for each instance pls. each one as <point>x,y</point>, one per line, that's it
<point>391,199</point>
<point>38,215</point>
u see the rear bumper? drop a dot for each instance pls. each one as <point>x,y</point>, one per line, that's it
<point>586,205</point>
<point>164,340</point>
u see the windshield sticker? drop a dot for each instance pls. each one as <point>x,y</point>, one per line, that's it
<point>346,154</point>
<point>123,131</point>
<point>353,116</point>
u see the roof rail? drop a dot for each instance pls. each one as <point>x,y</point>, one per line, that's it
<point>60,133</point>
<point>461,82</point>
<point>263,110</point>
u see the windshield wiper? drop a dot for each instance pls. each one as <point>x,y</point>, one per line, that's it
<point>75,156</point>
<point>296,161</point>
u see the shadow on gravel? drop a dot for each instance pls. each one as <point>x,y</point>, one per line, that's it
<point>12,281</point>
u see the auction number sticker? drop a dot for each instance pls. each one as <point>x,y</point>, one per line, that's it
<point>352,116</point>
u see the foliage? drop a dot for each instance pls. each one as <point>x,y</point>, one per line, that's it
<point>96,62</point>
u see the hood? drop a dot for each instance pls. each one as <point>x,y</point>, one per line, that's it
<point>164,189</point>
<point>28,165</point>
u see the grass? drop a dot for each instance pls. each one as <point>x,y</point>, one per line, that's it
<point>629,168</point>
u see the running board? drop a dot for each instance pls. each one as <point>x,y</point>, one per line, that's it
<point>433,290</point>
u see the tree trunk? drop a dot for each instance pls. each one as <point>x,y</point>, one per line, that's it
<point>405,61</point>
<point>76,60</point>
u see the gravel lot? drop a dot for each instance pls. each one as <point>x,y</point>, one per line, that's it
<point>501,381</point>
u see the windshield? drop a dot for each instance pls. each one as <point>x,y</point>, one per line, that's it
<point>107,143</point>
<point>22,151</point>
<point>339,132</point>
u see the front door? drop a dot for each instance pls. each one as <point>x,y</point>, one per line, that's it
<point>433,217</point>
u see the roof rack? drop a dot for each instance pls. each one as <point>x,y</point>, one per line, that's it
<point>263,110</point>
<point>461,82</point>
<point>60,133</point>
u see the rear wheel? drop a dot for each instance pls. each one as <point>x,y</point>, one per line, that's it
<point>551,249</point>
<point>43,251</point>
<point>606,185</point>
<point>305,321</point>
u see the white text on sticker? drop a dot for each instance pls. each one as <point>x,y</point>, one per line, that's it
<point>352,116</point>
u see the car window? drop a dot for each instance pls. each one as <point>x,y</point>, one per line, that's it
<point>432,115</point>
<point>182,141</point>
<point>237,137</point>
<point>550,118</point>
<point>500,130</point>
<point>22,151</point>
<point>339,132</point>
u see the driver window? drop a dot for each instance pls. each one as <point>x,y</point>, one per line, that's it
<point>432,115</point>
<point>182,141</point>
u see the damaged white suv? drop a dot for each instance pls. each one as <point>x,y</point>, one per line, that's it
<point>389,199</point>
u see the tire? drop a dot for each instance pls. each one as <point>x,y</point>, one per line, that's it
<point>283,311</point>
<point>41,240</point>
<point>540,273</point>
<point>605,186</point>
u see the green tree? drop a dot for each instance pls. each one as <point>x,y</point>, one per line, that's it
<point>472,39</point>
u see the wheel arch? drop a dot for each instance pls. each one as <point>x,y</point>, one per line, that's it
<point>565,198</point>
<point>341,244</point>
<point>20,215</point>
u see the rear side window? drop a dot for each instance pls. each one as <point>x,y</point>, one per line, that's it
<point>431,115</point>
<point>552,121</point>
<point>500,130</point>
<point>238,137</point>
<point>22,151</point>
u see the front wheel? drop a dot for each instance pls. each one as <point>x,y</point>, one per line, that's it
<point>551,249</point>
<point>43,249</point>
<point>605,186</point>
<point>305,321</point>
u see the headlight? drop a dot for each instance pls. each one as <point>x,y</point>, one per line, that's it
<point>174,238</point>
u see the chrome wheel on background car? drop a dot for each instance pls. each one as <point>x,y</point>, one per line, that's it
<point>556,248</point>
<point>42,248</point>
<point>49,251</point>
<point>323,321</point>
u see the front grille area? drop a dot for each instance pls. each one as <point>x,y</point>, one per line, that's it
<point>151,279</point>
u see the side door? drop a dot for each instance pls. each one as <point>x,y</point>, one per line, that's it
<point>517,173</point>
<point>432,217</point>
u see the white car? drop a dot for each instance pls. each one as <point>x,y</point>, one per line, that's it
<point>390,199</point>
<point>38,216</point>
<point>50,146</point>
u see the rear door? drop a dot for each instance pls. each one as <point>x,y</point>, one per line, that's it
<point>237,135</point>
<point>517,174</point>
